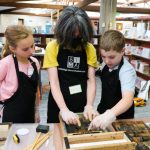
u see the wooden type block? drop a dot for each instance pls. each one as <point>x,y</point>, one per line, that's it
<point>137,132</point>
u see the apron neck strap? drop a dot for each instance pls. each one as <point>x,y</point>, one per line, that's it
<point>33,64</point>
<point>17,68</point>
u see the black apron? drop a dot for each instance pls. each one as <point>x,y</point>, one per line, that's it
<point>72,70</point>
<point>111,92</point>
<point>20,107</point>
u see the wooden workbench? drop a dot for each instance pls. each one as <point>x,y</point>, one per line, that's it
<point>26,140</point>
<point>76,138</point>
<point>29,138</point>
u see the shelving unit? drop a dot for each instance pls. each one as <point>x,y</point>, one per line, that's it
<point>140,43</point>
<point>142,58</point>
<point>42,39</point>
<point>140,74</point>
<point>42,42</point>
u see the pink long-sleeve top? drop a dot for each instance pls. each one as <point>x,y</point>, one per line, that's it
<point>8,77</point>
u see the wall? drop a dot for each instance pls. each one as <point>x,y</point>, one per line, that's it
<point>11,19</point>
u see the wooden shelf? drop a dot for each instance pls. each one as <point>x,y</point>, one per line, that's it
<point>142,43</point>
<point>44,35</point>
<point>133,56</point>
<point>142,75</point>
<point>142,58</point>
<point>140,18</point>
<point>138,42</point>
<point>41,45</point>
<point>42,39</point>
<point>141,40</point>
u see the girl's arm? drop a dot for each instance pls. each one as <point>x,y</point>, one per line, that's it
<point>89,112</point>
<point>91,86</point>
<point>3,70</point>
<point>68,116</point>
<point>55,88</point>
<point>37,103</point>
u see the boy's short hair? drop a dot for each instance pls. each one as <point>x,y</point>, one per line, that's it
<point>112,40</point>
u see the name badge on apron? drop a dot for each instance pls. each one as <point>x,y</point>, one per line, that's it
<point>75,89</point>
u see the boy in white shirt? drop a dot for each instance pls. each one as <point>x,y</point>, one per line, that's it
<point>118,82</point>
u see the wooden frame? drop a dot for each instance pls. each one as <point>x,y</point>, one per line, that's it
<point>78,130</point>
<point>4,129</point>
<point>99,141</point>
<point>95,140</point>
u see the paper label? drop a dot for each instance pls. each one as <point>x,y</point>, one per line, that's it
<point>75,89</point>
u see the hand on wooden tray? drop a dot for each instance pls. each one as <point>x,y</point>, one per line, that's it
<point>83,128</point>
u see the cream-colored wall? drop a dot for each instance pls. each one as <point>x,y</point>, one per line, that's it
<point>33,21</point>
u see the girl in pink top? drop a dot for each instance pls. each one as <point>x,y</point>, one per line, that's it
<point>19,77</point>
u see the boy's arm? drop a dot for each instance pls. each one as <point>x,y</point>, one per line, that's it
<point>127,78</point>
<point>124,104</point>
<point>104,120</point>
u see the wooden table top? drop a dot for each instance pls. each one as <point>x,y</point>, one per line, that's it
<point>26,140</point>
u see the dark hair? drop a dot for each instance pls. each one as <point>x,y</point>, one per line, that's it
<point>71,20</point>
<point>112,40</point>
<point>13,35</point>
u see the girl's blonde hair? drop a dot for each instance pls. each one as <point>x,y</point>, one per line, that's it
<point>13,35</point>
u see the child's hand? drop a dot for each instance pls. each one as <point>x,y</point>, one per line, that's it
<point>69,117</point>
<point>89,112</point>
<point>103,120</point>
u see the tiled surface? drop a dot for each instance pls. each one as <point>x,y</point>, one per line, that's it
<point>140,112</point>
